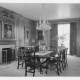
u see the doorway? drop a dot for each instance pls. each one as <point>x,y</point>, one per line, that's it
<point>64,30</point>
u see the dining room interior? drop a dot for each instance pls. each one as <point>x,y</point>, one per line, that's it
<point>39,39</point>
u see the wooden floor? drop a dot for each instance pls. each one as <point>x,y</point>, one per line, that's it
<point>10,70</point>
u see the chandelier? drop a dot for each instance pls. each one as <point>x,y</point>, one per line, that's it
<point>43,24</point>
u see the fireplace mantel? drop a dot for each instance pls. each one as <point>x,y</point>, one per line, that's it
<point>7,41</point>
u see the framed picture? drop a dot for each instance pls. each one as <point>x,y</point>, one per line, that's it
<point>8,30</point>
<point>40,35</point>
<point>26,34</point>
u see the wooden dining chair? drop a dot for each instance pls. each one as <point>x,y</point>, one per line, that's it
<point>20,57</point>
<point>64,58</point>
<point>66,63</point>
<point>55,61</point>
<point>30,61</point>
<point>44,65</point>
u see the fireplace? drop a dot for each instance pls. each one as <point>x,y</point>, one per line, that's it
<point>2,47</point>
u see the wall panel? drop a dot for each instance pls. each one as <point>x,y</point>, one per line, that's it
<point>78,39</point>
<point>53,34</point>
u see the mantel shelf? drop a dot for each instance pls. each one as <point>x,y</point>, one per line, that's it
<point>8,40</point>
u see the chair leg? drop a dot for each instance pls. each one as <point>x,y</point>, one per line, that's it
<point>34,72</point>
<point>66,63</point>
<point>25,70</point>
<point>63,65</point>
<point>46,68</point>
<point>46,71</point>
<point>41,71</point>
<point>22,64</point>
<point>51,67</point>
<point>18,65</point>
<point>60,68</point>
<point>57,69</point>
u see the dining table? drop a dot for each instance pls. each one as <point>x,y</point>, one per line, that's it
<point>43,58</point>
<point>45,54</point>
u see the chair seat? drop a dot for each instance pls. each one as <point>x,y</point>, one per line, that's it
<point>33,64</point>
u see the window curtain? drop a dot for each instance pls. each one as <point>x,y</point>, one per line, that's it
<point>73,26</point>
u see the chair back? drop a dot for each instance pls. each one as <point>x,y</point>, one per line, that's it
<point>37,48</point>
<point>42,45</point>
<point>66,49</point>
<point>29,54</point>
<point>64,53</point>
<point>21,52</point>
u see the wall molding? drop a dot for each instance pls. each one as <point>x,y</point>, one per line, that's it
<point>67,20</point>
<point>13,15</point>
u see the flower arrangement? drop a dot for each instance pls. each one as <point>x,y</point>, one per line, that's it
<point>61,39</point>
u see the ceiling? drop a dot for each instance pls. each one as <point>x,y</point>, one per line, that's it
<point>52,10</point>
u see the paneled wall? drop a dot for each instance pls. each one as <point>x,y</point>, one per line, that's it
<point>19,32</point>
<point>19,23</point>
<point>4,40</point>
<point>47,37</point>
<point>78,39</point>
<point>32,32</point>
<point>75,38</point>
<point>53,34</point>
<point>0,29</point>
